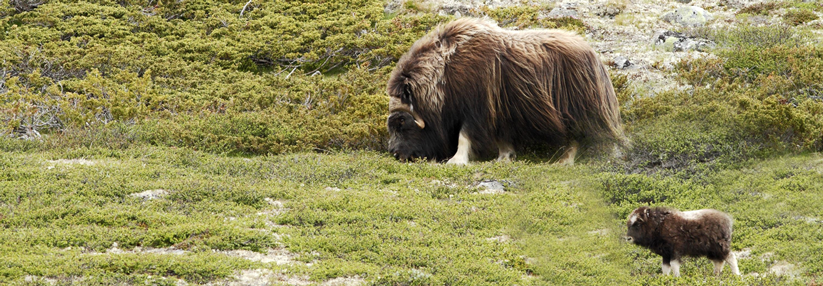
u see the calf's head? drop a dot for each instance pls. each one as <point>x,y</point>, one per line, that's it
<point>642,224</point>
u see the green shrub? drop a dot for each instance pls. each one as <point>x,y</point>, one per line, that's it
<point>760,97</point>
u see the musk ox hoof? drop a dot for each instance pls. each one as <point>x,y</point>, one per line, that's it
<point>505,159</point>
<point>456,160</point>
<point>568,161</point>
<point>569,154</point>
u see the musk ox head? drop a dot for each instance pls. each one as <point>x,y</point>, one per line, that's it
<point>642,224</point>
<point>411,137</point>
<point>415,128</point>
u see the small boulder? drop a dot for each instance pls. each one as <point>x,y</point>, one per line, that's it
<point>677,42</point>
<point>621,62</point>
<point>456,9</point>
<point>690,16</point>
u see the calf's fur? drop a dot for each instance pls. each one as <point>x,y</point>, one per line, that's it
<point>673,234</point>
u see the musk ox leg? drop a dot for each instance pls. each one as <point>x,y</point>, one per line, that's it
<point>464,147</point>
<point>568,156</point>
<point>675,263</point>
<point>718,266</point>
<point>666,265</point>
<point>732,260</point>
<point>505,152</point>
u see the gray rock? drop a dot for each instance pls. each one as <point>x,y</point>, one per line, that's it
<point>607,11</point>
<point>678,42</point>
<point>490,187</point>
<point>392,6</point>
<point>456,9</point>
<point>688,16</point>
<point>561,12</point>
<point>684,1</point>
<point>621,62</point>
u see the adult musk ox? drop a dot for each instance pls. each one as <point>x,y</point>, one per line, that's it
<point>469,86</point>
<point>674,234</point>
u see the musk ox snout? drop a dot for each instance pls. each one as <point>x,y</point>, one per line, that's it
<point>673,234</point>
<point>410,140</point>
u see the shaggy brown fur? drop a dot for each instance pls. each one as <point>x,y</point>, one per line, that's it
<point>673,234</point>
<point>500,88</point>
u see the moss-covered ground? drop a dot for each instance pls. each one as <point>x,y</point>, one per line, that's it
<point>364,214</point>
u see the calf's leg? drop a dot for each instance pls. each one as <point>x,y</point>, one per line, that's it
<point>732,260</point>
<point>718,266</point>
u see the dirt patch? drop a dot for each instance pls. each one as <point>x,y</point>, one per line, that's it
<point>784,268</point>
<point>261,277</point>
<point>150,194</point>
<point>114,249</point>
<point>345,281</point>
<point>501,239</point>
<point>601,232</point>
<point>279,256</point>
<point>70,162</point>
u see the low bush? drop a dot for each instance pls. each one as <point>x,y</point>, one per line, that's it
<point>283,76</point>
<point>760,96</point>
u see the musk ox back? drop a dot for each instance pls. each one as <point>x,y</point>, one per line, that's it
<point>470,86</point>
<point>673,234</point>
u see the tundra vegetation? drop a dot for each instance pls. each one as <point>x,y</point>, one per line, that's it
<point>262,125</point>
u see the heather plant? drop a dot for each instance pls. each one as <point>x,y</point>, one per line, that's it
<point>201,68</point>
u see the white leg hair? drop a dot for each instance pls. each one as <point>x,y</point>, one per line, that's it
<point>568,156</point>
<point>676,267</point>
<point>666,269</point>
<point>718,266</point>
<point>464,147</point>
<point>732,260</point>
<point>505,152</point>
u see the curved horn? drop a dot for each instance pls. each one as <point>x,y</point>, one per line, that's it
<point>419,121</point>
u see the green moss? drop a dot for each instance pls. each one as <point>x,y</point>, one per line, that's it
<point>762,8</point>
<point>796,17</point>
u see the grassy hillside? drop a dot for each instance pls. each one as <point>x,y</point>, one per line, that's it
<point>363,214</point>
<point>221,142</point>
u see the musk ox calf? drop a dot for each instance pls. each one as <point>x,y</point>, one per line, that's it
<point>469,86</point>
<point>674,234</point>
